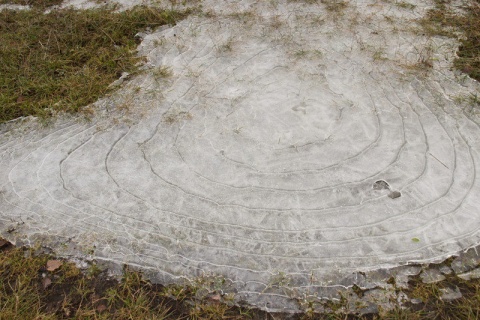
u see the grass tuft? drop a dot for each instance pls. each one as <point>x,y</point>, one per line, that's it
<point>442,21</point>
<point>17,278</point>
<point>64,60</point>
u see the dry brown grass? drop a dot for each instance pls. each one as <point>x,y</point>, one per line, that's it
<point>91,294</point>
<point>442,21</point>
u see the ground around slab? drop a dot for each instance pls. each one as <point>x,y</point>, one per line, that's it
<point>37,285</point>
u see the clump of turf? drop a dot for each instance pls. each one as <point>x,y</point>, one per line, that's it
<point>66,59</point>
<point>469,51</point>
<point>444,22</point>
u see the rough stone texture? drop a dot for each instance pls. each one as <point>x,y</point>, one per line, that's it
<point>466,261</point>
<point>445,270</point>
<point>394,194</point>
<point>431,276</point>
<point>257,159</point>
<point>474,274</point>
<point>449,294</point>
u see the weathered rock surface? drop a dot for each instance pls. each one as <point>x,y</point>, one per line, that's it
<point>256,160</point>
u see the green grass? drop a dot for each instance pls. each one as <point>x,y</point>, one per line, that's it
<point>64,60</point>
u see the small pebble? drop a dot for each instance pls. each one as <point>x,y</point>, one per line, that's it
<point>394,194</point>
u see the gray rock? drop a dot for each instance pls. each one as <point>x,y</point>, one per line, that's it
<point>474,274</point>
<point>449,294</point>
<point>404,274</point>
<point>466,261</point>
<point>395,194</point>
<point>445,270</point>
<point>307,121</point>
<point>431,276</point>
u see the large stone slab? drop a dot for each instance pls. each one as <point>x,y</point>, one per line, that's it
<point>294,145</point>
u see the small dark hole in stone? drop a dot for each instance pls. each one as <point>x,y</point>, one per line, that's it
<point>381,185</point>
